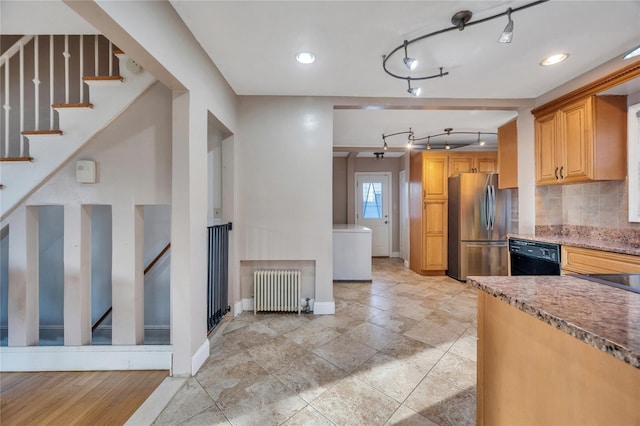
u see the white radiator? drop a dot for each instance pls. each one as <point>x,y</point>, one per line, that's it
<point>276,290</point>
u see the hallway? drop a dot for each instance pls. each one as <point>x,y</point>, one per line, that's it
<point>399,350</point>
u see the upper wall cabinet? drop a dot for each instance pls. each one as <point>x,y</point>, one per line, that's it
<point>473,162</point>
<point>583,141</point>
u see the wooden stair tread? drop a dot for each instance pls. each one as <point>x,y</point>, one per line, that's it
<point>117,51</point>
<point>41,132</point>
<point>16,159</point>
<point>78,105</point>
<point>102,78</point>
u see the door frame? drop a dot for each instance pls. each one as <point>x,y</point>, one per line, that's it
<point>403,213</point>
<point>389,176</point>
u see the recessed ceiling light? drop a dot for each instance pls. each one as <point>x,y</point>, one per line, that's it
<point>633,52</point>
<point>305,57</point>
<point>554,59</point>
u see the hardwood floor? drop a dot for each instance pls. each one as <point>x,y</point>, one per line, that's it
<point>74,398</point>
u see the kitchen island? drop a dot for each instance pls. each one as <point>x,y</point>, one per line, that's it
<point>557,350</point>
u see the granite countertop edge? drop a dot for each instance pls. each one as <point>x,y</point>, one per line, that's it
<point>609,246</point>
<point>599,342</point>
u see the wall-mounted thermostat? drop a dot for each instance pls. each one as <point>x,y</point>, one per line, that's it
<point>85,171</point>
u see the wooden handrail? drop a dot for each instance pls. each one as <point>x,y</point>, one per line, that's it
<point>157,258</point>
<point>147,269</point>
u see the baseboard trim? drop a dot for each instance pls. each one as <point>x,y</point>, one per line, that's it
<point>324,308</point>
<point>395,254</point>
<point>199,357</point>
<point>247,304</point>
<point>85,358</point>
<point>237,308</point>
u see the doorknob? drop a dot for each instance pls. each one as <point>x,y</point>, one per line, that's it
<point>386,221</point>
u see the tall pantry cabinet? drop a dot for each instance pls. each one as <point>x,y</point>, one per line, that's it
<point>428,213</point>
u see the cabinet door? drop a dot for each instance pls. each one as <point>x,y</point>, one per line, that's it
<point>460,165</point>
<point>435,176</point>
<point>486,163</point>
<point>435,235</point>
<point>576,133</point>
<point>547,167</point>
<point>508,155</point>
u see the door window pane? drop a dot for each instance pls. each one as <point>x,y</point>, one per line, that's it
<point>372,200</point>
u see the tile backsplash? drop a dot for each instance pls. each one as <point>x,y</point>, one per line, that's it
<point>596,209</point>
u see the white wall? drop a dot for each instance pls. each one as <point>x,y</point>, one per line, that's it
<point>285,184</point>
<point>132,155</point>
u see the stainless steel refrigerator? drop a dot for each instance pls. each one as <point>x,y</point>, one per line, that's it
<point>479,220</point>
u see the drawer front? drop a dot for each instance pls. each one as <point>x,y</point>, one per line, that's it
<point>587,261</point>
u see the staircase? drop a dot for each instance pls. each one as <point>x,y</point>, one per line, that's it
<point>58,93</point>
<point>71,116</point>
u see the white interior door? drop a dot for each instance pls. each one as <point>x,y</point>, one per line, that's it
<point>372,204</point>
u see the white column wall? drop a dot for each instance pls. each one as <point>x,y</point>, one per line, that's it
<point>229,200</point>
<point>285,187</point>
<point>77,274</point>
<point>188,235</point>
<point>127,275</point>
<point>23,278</point>
<point>526,173</point>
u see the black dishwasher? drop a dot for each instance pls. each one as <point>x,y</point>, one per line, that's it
<point>533,257</point>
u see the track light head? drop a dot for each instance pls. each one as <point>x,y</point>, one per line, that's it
<point>413,91</point>
<point>480,142</point>
<point>411,63</point>
<point>385,147</point>
<point>507,33</point>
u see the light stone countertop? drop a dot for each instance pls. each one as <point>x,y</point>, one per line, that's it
<point>603,243</point>
<point>605,317</point>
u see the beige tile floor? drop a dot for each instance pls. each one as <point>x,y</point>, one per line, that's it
<point>400,350</point>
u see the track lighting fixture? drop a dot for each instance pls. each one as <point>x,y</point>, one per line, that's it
<point>460,21</point>
<point>379,155</point>
<point>412,141</point>
<point>507,34</point>
<point>447,144</point>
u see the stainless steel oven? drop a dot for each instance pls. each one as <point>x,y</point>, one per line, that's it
<point>529,257</point>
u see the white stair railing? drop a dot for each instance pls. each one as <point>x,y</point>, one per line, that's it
<point>28,71</point>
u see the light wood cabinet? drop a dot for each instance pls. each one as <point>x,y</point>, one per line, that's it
<point>428,192</point>
<point>508,155</point>
<point>530,373</point>
<point>435,235</point>
<point>578,260</point>
<point>435,176</point>
<point>581,142</point>
<point>473,162</point>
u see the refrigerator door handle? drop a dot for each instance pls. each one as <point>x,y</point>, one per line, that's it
<point>493,206</point>
<point>487,207</point>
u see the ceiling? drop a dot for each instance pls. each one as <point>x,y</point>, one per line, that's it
<point>253,43</point>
